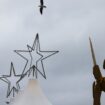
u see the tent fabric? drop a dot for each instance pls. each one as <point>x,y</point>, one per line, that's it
<point>32,95</point>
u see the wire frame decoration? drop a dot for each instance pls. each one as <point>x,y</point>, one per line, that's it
<point>31,66</point>
<point>13,82</point>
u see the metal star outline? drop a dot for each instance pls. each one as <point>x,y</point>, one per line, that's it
<point>11,87</point>
<point>43,55</point>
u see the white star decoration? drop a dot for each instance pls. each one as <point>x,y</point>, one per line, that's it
<point>12,80</point>
<point>36,56</point>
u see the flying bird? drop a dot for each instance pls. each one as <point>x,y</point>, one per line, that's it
<point>41,6</point>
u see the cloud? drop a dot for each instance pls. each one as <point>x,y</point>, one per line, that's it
<point>65,26</point>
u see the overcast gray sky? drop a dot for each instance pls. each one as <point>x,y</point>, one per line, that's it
<point>65,26</point>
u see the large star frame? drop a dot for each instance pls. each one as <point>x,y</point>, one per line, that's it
<point>43,55</point>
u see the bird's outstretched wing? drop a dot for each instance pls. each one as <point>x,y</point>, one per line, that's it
<point>41,10</point>
<point>41,2</point>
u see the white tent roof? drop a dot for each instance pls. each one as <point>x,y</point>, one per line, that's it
<point>32,95</point>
